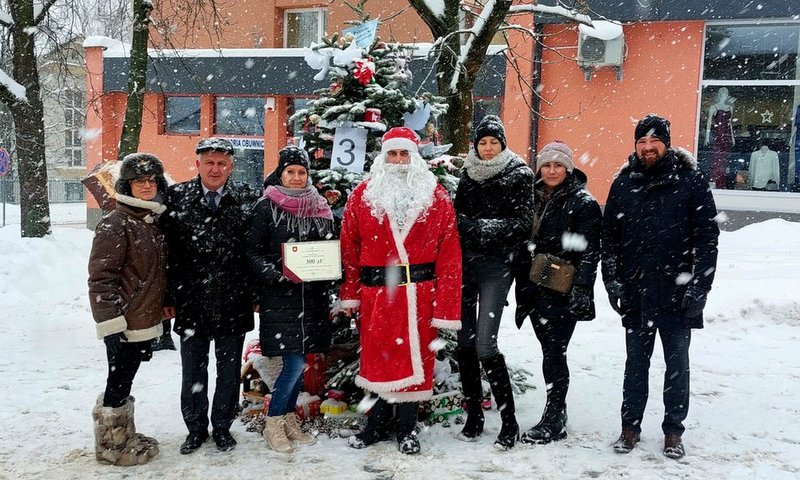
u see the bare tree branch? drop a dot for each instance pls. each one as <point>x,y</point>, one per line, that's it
<point>40,14</point>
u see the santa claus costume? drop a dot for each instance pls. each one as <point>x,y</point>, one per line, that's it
<point>402,260</point>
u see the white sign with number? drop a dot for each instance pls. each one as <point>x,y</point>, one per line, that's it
<point>349,148</point>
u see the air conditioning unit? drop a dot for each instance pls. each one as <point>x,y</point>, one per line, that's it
<point>601,45</point>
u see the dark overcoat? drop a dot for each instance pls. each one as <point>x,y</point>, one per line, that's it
<point>208,280</point>
<point>660,236</point>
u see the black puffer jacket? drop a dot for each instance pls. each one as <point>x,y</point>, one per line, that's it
<point>660,236</point>
<point>208,279</point>
<point>570,218</point>
<point>293,316</point>
<point>494,215</point>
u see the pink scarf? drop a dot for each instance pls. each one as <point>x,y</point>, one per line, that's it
<point>303,203</point>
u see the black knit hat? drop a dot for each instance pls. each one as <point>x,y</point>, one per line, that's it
<point>653,125</point>
<point>289,155</point>
<point>139,165</point>
<point>490,126</point>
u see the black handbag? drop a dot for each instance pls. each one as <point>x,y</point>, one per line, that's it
<point>552,272</point>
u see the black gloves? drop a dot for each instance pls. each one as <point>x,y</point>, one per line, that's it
<point>694,301</point>
<point>614,289</point>
<point>580,299</point>
<point>114,342</point>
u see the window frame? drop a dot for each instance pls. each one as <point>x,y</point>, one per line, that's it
<point>214,124</point>
<point>322,23</point>
<point>165,130</point>
<point>74,124</point>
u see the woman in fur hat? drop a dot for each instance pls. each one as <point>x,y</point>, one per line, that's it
<point>293,315</point>
<point>494,203</point>
<point>566,225</point>
<point>127,281</point>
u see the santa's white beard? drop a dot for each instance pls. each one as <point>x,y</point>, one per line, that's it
<point>402,192</point>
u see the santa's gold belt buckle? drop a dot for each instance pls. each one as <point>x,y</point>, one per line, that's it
<point>405,268</point>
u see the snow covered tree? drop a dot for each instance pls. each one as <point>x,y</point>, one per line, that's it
<point>137,78</point>
<point>20,93</point>
<point>457,65</point>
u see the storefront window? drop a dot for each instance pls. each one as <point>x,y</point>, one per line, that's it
<point>239,116</point>
<point>295,129</point>
<point>182,114</point>
<point>750,107</point>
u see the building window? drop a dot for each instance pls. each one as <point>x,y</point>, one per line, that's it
<point>73,126</point>
<point>181,114</point>
<point>295,129</point>
<point>750,107</point>
<point>239,116</point>
<point>303,27</point>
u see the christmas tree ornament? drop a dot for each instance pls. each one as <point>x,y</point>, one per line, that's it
<point>364,71</point>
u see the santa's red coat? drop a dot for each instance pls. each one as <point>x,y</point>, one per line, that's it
<point>397,325</point>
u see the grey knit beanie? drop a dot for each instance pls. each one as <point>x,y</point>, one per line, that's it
<point>558,152</point>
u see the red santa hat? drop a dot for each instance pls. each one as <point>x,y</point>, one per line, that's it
<point>400,138</point>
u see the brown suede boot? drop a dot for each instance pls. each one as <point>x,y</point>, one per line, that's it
<point>673,446</point>
<point>116,440</point>
<point>626,441</point>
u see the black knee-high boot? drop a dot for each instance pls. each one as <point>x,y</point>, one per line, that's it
<point>497,372</point>
<point>469,369</point>
<point>407,441</point>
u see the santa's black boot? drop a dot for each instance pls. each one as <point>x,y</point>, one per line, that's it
<point>469,369</point>
<point>407,441</point>
<point>377,429</point>
<point>497,372</point>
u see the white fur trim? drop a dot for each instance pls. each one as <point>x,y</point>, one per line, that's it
<point>401,397</point>
<point>145,334</point>
<point>385,387</point>
<point>154,207</point>
<point>115,325</point>
<point>349,303</point>
<point>399,143</point>
<point>446,324</point>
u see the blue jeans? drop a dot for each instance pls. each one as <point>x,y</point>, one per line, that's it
<point>287,386</point>
<point>486,281</point>
<point>639,344</point>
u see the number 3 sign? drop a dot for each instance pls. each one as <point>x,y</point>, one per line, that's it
<point>349,149</point>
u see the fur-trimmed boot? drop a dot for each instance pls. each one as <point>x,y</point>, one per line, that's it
<point>115,439</point>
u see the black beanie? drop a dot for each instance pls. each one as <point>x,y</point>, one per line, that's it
<point>653,125</point>
<point>290,155</point>
<point>490,126</point>
<point>139,165</point>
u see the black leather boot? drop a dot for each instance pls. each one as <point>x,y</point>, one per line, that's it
<point>469,369</point>
<point>407,441</point>
<point>497,372</point>
<point>552,426</point>
<point>378,425</point>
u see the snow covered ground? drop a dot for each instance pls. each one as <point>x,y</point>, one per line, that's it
<point>744,420</point>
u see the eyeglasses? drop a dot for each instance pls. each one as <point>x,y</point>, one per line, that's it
<point>141,182</point>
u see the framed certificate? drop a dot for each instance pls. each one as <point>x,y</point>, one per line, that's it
<point>312,261</point>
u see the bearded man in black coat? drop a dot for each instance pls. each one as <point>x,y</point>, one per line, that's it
<point>659,250</point>
<point>209,291</point>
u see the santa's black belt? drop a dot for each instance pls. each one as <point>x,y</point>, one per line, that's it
<point>397,275</point>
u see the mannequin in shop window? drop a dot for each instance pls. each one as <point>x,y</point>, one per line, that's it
<point>719,135</point>
<point>764,168</point>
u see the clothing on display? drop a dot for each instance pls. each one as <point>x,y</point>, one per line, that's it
<point>721,144</point>
<point>764,168</point>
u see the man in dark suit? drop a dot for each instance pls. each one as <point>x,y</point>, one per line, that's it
<point>209,294</point>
